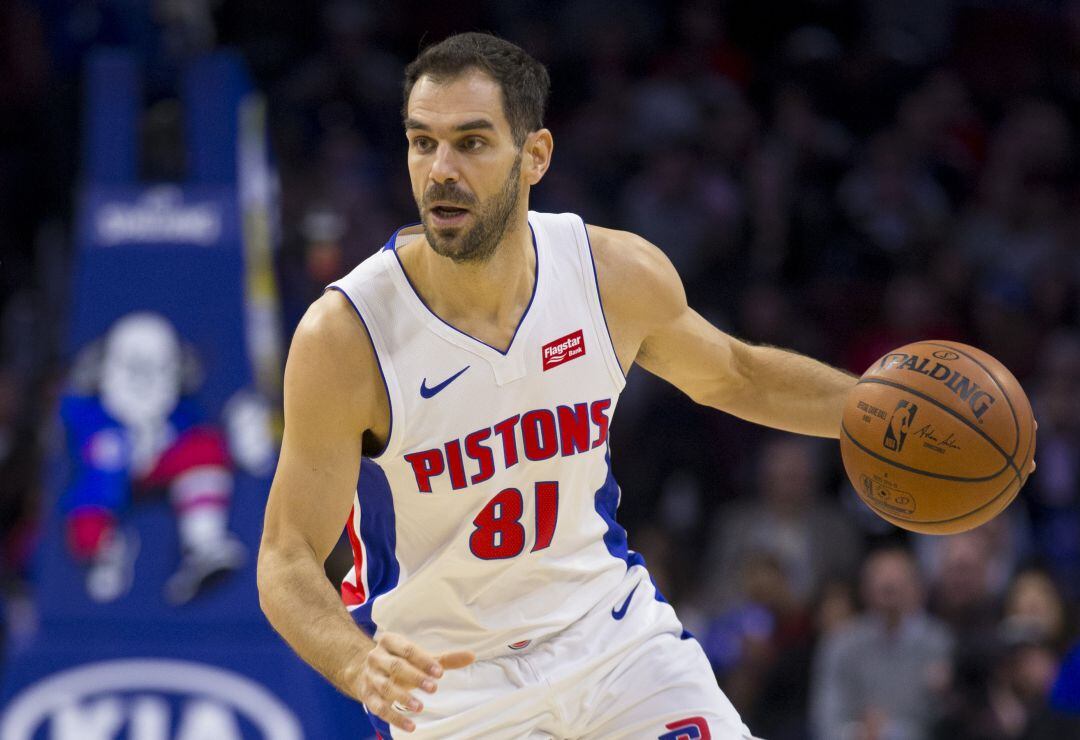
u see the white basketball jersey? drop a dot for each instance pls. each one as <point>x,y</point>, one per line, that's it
<point>489,518</point>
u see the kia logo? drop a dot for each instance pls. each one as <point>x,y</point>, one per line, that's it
<point>100,700</point>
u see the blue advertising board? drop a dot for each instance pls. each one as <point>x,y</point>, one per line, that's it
<point>145,577</point>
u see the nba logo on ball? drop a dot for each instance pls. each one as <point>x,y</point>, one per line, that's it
<point>896,432</point>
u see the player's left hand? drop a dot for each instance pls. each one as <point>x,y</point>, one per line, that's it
<point>394,668</point>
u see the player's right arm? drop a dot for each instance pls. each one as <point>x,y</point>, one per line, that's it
<point>333,395</point>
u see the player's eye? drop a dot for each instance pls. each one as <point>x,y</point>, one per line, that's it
<point>422,144</point>
<point>472,143</point>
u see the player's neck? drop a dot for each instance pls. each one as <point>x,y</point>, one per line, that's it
<point>485,299</point>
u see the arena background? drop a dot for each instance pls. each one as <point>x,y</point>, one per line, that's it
<point>834,176</point>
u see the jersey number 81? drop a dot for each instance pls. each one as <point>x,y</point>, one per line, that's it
<point>499,534</point>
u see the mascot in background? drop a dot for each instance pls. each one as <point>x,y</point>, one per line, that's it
<point>134,431</point>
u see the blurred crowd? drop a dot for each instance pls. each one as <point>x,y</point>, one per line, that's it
<point>838,177</point>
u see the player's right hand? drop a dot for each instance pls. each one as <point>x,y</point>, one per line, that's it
<point>396,667</point>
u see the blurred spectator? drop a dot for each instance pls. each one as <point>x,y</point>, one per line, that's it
<point>766,315</point>
<point>187,25</point>
<point>315,261</point>
<point>1003,688</point>
<point>789,181</point>
<point>835,607</point>
<point>1002,544</point>
<point>999,314</point>
<point>962,593</point>
<point>893,204</point>
<point>910,308</point>
<point>789,519</point>
<point>762,647</point>
<point>1035,604</point>
<point>940,125</point>
<point>883,676</point>
<point>665,205</point>
<point>909,31</point>
<point>1019,197</point>
<point>1053,496</point>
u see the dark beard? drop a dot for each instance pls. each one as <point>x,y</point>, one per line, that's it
<point>478,243</point>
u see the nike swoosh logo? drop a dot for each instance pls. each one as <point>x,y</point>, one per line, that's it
<point>429,392</point>
<point>621,611</point>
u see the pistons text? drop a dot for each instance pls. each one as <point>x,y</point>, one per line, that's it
<point>537,435</point>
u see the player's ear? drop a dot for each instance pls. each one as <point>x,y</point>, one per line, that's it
<point>536,155</point>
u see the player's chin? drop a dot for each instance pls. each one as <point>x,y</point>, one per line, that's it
<point>447,243</point>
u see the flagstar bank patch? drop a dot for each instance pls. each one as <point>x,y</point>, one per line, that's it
<point>562,350</point>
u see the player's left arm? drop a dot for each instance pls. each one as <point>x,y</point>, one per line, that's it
<point>652,324</point>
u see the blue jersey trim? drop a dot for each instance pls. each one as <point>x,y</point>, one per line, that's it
<point>380,725</point>
<point>600,298</point>
<point>378,362</point>
<point>390,244</point>
<point>607,503</point>
<point>536,283</point>
<point>378,531</point>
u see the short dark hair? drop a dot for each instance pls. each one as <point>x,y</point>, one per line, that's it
<point>523,80</point>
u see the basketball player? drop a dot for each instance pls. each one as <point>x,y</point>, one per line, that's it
<point>476,360</point>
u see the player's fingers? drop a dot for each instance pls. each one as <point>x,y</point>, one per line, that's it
<point>403,673</point>
<point>413,653</point>
<point>387,690</point>
<point>385,710</point>
<point>458,659</point>
<point>382,686</point>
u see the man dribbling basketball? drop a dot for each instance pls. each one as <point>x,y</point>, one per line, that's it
<point>477,360</point>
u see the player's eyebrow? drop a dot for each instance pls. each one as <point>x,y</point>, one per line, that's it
<point>474,125</point>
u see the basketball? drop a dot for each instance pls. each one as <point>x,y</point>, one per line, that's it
<point>937,437</point>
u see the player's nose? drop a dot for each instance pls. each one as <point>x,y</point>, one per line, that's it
<point>444,164</point>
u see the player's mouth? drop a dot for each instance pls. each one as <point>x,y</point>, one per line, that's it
<point>448,215</point>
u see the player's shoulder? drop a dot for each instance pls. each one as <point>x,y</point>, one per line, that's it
<point>329,321</point>
<point>634,275</point>
<point>331,342</point>
<point>624,251</point>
